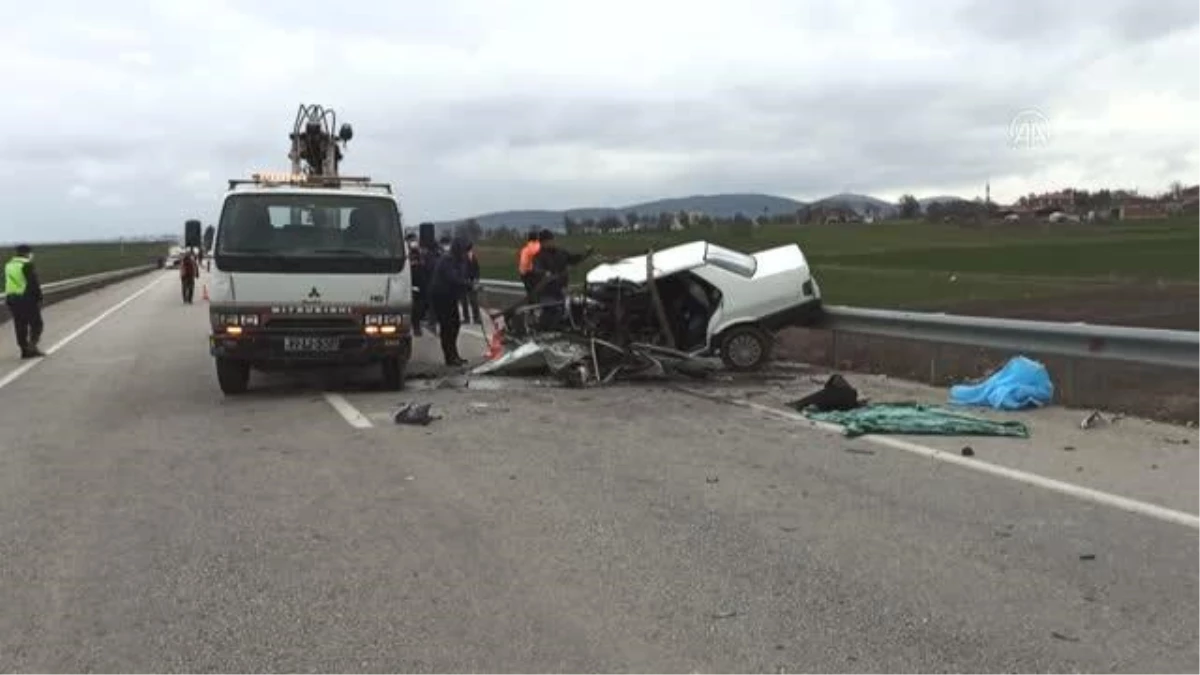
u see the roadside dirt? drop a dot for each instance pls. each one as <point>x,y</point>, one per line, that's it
<point>1153,392</point>
<point>1174,307</point>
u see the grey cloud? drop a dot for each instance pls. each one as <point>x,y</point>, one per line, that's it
<point>40,149</point>
<point>1134,23</point>
<point>1044,22</point>
<point>828,120</point>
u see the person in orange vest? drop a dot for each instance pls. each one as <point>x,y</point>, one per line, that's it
<point>525,261</point>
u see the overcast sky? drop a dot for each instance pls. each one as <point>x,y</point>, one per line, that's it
<point>126,117</point>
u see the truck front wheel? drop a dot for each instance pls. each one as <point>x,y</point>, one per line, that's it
<point>233,376</point>
<point>394,370</point>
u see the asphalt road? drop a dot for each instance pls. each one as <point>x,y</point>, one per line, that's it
<point>149,525</point>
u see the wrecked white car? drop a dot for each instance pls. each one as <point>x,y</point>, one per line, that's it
<point>705,300</point>
<point>714,300</point>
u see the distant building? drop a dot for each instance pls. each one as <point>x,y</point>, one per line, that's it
<point>1143,208</point>
<point>1063,200</point>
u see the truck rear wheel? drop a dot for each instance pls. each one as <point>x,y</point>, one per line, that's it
<point>233,376</point>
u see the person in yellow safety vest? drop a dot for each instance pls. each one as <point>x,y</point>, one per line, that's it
<point>23,295</point>
<point>525,261</point>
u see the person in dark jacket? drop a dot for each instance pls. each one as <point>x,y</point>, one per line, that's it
<point>189,272</point>
<point>419,275</point>
<point>429,254</point>
<point>446,290</point>
<point>551,269</point>
<point>470,301</point>
<point>23,295</point>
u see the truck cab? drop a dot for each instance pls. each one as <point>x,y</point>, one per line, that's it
<point>309,271</point>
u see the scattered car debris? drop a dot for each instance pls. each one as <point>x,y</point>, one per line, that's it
<point>578,360</point>
<point>726,614</point>
<point>1093,420</point>
<point>1063,636</point>
<point>481,407</point>
<point>1069,448</point>
<point>858,451</point>
<point>1087,556</point>
<point>968,451</point>
<point>1176,441</point>
<point>416,414</point>
<point>836,394</point>
<point>915,418</point>
<point>1022,383</point>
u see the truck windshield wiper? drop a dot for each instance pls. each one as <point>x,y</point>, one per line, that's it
<point>268,252</point>
<point>350,251</point>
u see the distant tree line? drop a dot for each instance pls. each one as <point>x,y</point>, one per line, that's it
<point>740,224</point>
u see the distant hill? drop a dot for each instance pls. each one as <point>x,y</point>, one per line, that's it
<point>942,199</point>
<point>719,206</point>
<point>861,204</point>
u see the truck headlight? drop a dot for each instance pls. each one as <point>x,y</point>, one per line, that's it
<point>382,324</point>
<point>238,319</point>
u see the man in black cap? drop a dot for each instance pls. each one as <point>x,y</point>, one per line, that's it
<point>551,270</point>
<point>23,295</point>
<point>420,277</point>
<point>447,286</point>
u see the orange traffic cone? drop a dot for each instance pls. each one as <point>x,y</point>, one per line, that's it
<point>204,293</point>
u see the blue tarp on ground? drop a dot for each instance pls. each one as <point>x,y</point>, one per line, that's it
<point>1021,383</point>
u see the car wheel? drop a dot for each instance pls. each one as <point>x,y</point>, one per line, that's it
<point>394,371</point>
<point>745,348</point>
<point>233,376</point>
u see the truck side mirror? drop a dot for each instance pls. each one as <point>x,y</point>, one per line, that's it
<point>191,234</point>
<point>345,133</point>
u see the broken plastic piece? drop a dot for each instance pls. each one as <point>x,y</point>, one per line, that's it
<point>837,394</point>
<point>414,414</point>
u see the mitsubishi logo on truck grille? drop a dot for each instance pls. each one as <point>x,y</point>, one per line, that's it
<point>311,309</point>
<point>314,294</point>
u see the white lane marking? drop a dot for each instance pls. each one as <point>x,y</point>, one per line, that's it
<point>29,365</point>
<point>1116,501</point>
<point>348,411</point>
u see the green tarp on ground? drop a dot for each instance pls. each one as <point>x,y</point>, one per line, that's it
<point>914,418</point>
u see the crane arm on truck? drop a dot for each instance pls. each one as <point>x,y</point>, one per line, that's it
<point>316,151</point>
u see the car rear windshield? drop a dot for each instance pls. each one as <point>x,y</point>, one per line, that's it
<point>302,232</point>
<point>731,261</point>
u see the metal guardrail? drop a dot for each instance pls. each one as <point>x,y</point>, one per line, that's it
<point>61,290</point>
<point>1178,349</point>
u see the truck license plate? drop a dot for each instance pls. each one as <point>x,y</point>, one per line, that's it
<point>310,344</point>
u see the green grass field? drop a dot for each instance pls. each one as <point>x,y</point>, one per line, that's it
<point>64,261</point>
<point>925,265</point>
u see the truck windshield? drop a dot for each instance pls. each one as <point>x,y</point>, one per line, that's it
<point>292,232</point>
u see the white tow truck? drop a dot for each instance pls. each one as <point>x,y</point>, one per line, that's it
<point>309,267</point>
